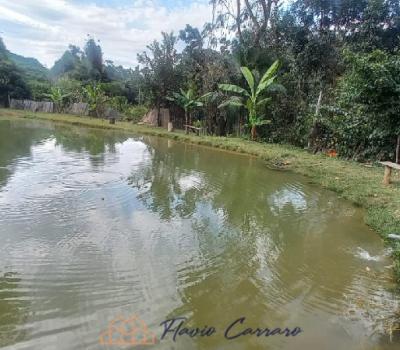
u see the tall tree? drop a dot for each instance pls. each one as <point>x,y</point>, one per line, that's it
<point>160,70</point>
<point>203,69</point>
<point>369,100</point>
<point>254,15</point>
<point>12,82</point>
<point>94,56</point>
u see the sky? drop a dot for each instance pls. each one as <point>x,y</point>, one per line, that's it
<point>43,29</point>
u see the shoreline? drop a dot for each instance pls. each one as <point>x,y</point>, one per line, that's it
<point>359,183</point>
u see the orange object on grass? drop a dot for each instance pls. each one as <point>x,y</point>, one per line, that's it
<point>332,153</point>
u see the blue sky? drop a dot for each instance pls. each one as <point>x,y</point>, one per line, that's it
<point>44,28</point>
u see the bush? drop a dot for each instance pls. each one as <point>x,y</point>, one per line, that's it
<point>120,103</point>
<point>135,113</point>
<point>367,122</point>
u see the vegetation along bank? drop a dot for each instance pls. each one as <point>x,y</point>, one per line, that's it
<point>360,183</point>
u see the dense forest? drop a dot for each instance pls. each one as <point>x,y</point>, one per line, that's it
<point>332,81</point>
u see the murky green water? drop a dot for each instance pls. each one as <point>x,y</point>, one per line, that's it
<point>95,224</point>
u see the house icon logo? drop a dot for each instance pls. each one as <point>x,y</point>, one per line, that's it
<point>130,331</point>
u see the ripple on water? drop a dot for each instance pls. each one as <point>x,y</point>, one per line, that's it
<point>365,255</point>
<point>158,231</point>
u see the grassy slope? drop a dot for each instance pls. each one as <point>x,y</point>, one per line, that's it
<point>353,181</point>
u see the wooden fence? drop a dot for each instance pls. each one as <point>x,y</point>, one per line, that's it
<point>151,117</point>
<point>79,108</point>
<point>166,115</point>
<point>48,107</point>
<point>33,106</point>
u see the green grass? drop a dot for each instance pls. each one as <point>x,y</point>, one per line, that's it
<point>353,181</point>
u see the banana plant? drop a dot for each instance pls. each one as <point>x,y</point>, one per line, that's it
<point>188,101</point>
<point>96,99</point>
<point>57,97</point>
<point>252,98</point>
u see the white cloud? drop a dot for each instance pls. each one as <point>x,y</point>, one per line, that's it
<point>44,29</point>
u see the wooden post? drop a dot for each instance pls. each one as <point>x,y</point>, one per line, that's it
<point>388,174</point>
<point>398,150</point>
<point>186,122</point>
<point>158,114</point>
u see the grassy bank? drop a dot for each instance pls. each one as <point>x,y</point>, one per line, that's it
<point>353,181</point>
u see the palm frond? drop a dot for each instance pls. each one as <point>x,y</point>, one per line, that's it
<point>249,78</point>
<point>233,88</point>
<point>264,101</point>
<point>233,101</point>
<point>264,85</point>
<point>270,72</point>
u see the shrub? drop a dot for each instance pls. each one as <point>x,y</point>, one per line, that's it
<point>135,113</point>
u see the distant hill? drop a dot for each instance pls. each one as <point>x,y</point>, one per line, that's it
<point>33,68</point>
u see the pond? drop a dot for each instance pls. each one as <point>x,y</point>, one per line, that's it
<point>97,226</point>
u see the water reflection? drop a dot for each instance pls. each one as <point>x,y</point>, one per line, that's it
<point>97,224</point>
<point>277,245</point>
<point>13,309</point>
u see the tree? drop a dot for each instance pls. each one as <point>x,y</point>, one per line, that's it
<point>96,99</point>
<point>94,56</point>
<point>86,65</point>
<point>188,101</point>
<point>204,69</point>
<point>57,97</point>
<point>71,88</point>
<point>378,28</point>
<point>160,70</point>
<point>192,38</point>
<point>367,123</point>
<point>251,99</point>
<point>253,15</point>
<point>12,82</point>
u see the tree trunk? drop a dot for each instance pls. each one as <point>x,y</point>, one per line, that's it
<point>318,107</point>
<point>313,132</point>
<point>253,132</point>
<point>398,150</point>
<point>238,23</point>
<point>387,175</point>
<point>252,16</point>
<point>158,114</point>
